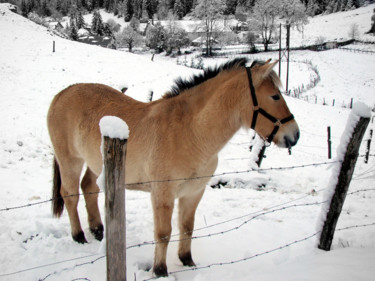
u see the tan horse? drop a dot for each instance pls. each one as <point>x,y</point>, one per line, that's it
<point>176,137</point>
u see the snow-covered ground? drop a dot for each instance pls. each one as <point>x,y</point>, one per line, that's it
<point>36,246</point>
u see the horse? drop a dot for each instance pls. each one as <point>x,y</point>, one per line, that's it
<point>173,143</point>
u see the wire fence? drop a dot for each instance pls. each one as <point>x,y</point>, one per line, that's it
<point>174,180</point>
<point>249,217</point>
<point>356,50</point>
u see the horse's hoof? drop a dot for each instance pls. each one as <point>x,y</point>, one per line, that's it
<point>186,259</point>
<point>161,270</point>
<point>80,237</point>
<point>98,232</point>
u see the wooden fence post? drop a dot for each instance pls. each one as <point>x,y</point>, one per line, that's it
<point>53,47</point>
<point>114,155</point>
<point>341,189</point>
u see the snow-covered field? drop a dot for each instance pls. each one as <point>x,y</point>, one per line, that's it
<point>36,246</point>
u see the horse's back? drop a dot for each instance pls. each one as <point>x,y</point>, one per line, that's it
<point>74,115</point>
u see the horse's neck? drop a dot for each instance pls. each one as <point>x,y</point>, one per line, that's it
<point>218,118</point>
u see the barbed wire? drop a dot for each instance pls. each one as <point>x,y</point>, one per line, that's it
<point>175,180</point>
<point>70,268</point>
<point>194,237</point>
<point>240,225</point>
<point>46,265</point>
<point>261,253</point>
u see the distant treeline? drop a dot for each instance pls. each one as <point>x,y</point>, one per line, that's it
<point>148,9</point>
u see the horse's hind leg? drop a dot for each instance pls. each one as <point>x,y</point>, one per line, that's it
<point>70,175</point>
<point>186,215</point>
<point>91,192</point>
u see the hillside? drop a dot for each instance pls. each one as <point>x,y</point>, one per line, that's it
<point>35,246</point>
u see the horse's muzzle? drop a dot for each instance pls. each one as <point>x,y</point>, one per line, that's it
<point>288,136</point>
<point>289,142</point>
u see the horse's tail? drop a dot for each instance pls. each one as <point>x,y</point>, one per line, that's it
<point>57,200</point>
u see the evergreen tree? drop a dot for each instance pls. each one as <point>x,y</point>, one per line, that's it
<point>97,23</point>
<point>312,8</point>
<point>179,10</point>
<point>231,6</point>
<point>80,21</point>
<point>189,5</point>
<point>129,10</point>
<point>151,7</point>
<point>73,32</point>
<point>349,5</point>
<point>24,9</point>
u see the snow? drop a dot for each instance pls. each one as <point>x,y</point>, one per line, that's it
<point>114,127</point>
<point>257,207</point>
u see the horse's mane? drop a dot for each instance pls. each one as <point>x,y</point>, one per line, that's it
<point>182,85</point>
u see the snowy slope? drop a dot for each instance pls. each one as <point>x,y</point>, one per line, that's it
<point>31,74</point>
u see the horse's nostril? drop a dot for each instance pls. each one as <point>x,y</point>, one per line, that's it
<point>296,137</point>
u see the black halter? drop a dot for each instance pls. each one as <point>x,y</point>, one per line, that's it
<point>257,109</point>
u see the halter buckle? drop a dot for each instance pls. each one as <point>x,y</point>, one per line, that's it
<point>278,123</point>
<point>256,108</point>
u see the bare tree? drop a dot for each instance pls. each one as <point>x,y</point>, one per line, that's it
<point>353,31</point>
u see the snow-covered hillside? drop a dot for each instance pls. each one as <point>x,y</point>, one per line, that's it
<point>35,246</point>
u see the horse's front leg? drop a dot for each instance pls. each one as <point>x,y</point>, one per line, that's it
<point>186,213</point>
<point>162,197</point>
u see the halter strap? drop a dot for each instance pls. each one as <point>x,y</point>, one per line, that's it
<point>257,109</point>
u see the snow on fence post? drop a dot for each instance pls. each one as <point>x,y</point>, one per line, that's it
<point>342,173</point>
<point>115,134</point>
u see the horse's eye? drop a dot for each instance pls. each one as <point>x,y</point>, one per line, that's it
<point>276,97</point>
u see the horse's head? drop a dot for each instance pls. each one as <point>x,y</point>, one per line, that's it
<point>271,117</point>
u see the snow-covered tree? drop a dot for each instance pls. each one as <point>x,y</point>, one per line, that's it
<point>155,37</point>
<point>209,11</point>
<point>293,12</point>
<point>129,38</point>
<point>265,13</point>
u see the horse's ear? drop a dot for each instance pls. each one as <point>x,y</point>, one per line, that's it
<point>267,67</point>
